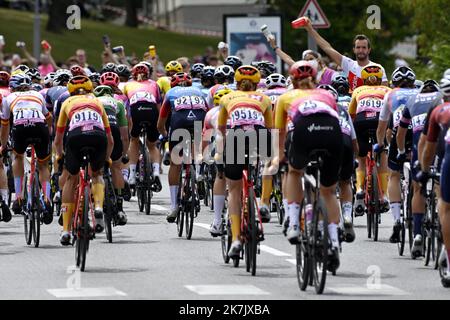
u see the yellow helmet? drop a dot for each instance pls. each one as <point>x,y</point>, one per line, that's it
<point>79,82</point>
<point>372,70</point>
<point>174,66</point>
<point>220,93</point>
<point>247,72</point>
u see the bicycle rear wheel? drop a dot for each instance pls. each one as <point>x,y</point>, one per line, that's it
<point>320,245</point>
<point>376,205</point>
<point>36,211</point>
<point>83,240</point>
<point>401,243</point>
<point>253,230</point>
<point>108,212</point>
<point>180,214</point>
<point>148,189</point>
<point>28,222</point>
<point>192,200</point>
<point>303,261</point>
<point>225,239</point>
<point>409,218</point>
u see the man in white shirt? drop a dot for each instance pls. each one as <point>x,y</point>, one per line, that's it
<point>351,68</point>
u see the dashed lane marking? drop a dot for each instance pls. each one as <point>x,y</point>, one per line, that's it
<point>226,290</point>
<point>86,292</point>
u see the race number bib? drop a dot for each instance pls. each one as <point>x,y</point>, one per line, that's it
<point>86,119</point>
<point>190,102</point>
<point>142,96</point>
<point>27,115</point>
<point>418,122</point>
<point>246,116</point>
<point>398,115</point>
<point>370,104</point>
<point>311,107</point>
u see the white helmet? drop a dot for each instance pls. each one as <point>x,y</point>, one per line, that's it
<point>48,79</point>
<point>447,73</point>
<point>444,85</point>
<point>276,80</point>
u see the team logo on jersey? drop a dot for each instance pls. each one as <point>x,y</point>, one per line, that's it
<point>191,115</point>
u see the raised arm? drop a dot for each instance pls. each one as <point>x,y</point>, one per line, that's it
<point>283,55</point>
<point>323,44</point>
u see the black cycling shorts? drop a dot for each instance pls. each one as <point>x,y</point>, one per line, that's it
<point>318,131</point>
<point>36,135</point>
<point>76,141</point>
<point>144,114</point>
<point>393,149</point>
<point>236,162</point>
<point>118,145</point>
<point>366,124</point>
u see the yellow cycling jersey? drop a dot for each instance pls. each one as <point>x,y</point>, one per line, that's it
<point>244,108</point>
<point>284,104</point>
<point>367,99</point>
<point>164,84</point>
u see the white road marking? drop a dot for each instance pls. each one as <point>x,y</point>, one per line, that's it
<point>263,248</point>
<point>159,208</point>
<point>274,252</point>
<point>86,292</point>
<point>226,290</point>
<point>202,225</point>
<point>292,261</point>
<point>383,289</point>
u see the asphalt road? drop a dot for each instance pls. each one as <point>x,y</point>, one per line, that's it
<point>147,260</point>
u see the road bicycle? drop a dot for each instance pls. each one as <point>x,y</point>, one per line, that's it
<point>312,250</point>
<point>144,177</point>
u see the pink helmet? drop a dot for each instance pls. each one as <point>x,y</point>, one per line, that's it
<point>109,79</point>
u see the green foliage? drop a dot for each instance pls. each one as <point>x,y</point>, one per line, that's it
<point>430,20</point>
<point>348,18</point>
<point>17,25</point>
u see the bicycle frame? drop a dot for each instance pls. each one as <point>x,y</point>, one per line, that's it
<point>371,163</point>
<point>246,184</point>
<point>82,184</point>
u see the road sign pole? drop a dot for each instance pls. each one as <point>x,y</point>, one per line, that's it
<point>312,45</point>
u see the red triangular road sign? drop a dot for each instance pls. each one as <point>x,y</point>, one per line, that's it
<point>312,10</point>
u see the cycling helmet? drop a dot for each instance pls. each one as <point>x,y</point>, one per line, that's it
<point>21,68</point>
<point>247,72</point>
<point>233,61</point>
<point>180,77</point>
<point>123,71</point>
<point>76,70</point>
<point>224,73</point>
<point>197,69</point>
<point>208,73</point>
<point>109,79</point>
<point>109,67</point>
<point>79,82</point>
<point>302,69</point>
<point>4,77</point>
<point>340,83</point>
<point>372,70</point>
<point>403,74</point>
<point>254,64</point>
<point>445,86</point>
<point>49,78</point>
<point>95,77</point>
<point>20,80</point>
<point>103,90</point>
<point>62,76</point>
<point>276,80</point>
<point>429,86</point>
<point>174,66</point>
<point>36,87</point>
<point>446,73</point>
<point>149,66</point>
<point>220,93</point>
<point>418,84</point>
<point>140,68</point>
<point>34,74</point>
<point>330,89</point>
<point>266,68</point>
